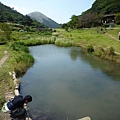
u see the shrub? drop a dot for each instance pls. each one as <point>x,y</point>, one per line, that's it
<point>57,42</point>
<point>25,57</point>
<point>2,101</point>
<point>111,51</point>
<point>67,44</point>
<point>7,31</point>
<point>90,48</point>
<point>24,61</point>
<point>18,46</point>
<point>2,39</point>
<point>53,39</point>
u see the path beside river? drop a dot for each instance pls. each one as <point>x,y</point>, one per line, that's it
<point>3,59</point>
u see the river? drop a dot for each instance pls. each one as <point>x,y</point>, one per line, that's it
<point>68,83</point>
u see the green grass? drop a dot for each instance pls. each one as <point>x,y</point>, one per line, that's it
<point>114,32</point>
<point>90,36</point>
<point>20,60</point>
<point>2,49</point>
<point>103,45</point>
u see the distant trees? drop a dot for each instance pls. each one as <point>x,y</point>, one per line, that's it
<point>105,6</point>
<point>6,30</point>
<point>10,15</point>
<point>26,21</point>
<point>94,16</point>
<point>117,18</point>
<point>87,20</point>
<point>73,22</point>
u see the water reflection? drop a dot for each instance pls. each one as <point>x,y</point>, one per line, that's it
<point>67,84</point>
<point>108,67</point>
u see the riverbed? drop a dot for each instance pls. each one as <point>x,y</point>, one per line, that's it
<point>68,83</point>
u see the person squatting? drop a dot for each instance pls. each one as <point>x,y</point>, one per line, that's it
<point>16,106</point>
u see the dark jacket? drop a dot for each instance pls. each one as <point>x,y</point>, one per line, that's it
<point>17,102</point>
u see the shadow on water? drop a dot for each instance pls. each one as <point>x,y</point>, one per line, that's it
<point>107,67</point>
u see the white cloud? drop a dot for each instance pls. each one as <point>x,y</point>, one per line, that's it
<point>21,10</point>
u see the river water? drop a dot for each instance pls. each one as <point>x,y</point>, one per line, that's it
<point>67,84</point>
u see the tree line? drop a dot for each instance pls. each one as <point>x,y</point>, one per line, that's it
<point>8,14</point>
<point>89,20</point>
<point>93,17</point>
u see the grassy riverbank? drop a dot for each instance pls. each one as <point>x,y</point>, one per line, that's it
<point>103,44</point>
<point>19,60</point>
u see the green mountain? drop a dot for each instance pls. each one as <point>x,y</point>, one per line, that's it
<point>105,7</point>
<point>43,19</point>
<point>8,14</point>
<point>102,12</point>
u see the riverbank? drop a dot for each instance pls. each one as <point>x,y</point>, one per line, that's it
<point>76,70</point>
<point>19,59</point>
<point>104,45</point>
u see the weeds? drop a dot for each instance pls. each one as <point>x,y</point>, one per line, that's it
<point>17,46</point>
<point>90,48</point>
<point>20,60</point>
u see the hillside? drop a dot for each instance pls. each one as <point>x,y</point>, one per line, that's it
<point>105,7</point>
<point>43,19</point>
<point>100,12</point>
<point>8,14</point>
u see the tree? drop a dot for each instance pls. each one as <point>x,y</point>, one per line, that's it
<point>5,28</point>
<point>27,21</point>
<point>117,18</point>
<point>65,26</point>
<point>74,22</point>
<point>89,20</point>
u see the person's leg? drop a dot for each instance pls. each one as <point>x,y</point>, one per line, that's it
<point>19,114</point>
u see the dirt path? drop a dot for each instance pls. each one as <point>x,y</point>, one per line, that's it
<point>4,116</point>
<point>3,59</point>
<point>112,37</point>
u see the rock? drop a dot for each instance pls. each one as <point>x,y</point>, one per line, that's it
<point>85,118</point>
<point>28,118</point>
<point>5,52</point>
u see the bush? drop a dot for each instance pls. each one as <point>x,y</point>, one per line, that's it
<point>24,61</point>
<point>90,48</point>
<point>57,42</point>
<point>25,57</point>
<point>18,46</point>
<point>2,39</point>
<point>63,43</point>
<point>7,30</point>
<point>111,51</point>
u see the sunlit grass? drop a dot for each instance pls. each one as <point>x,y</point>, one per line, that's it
<point>20,61</point>
<point>90,36</point>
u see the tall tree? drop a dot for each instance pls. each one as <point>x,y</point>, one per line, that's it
<point>74,22</point>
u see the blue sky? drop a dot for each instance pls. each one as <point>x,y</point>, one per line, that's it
<point>58,10</point>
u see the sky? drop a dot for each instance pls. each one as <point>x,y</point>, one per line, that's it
<point>58,10</point>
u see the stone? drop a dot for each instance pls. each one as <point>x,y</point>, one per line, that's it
<point>85,118</point>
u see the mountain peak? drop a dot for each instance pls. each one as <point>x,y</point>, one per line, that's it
<point>43,19</point>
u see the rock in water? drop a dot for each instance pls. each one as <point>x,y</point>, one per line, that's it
<point>85,118</point>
